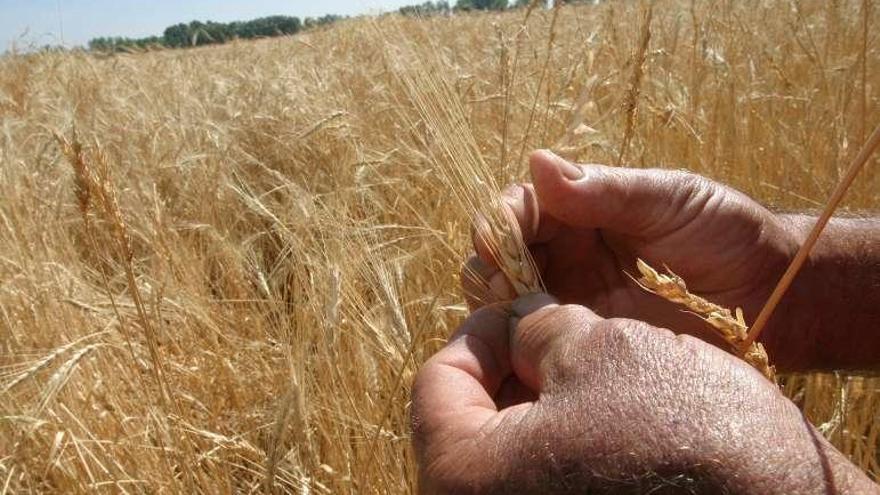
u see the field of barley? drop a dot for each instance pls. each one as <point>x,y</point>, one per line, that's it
<point>221,267</point>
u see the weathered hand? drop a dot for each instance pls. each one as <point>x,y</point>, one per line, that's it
<point>586,224</point>
<point>542,398</point>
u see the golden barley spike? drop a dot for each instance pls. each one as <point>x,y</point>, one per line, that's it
<point>731,326</point>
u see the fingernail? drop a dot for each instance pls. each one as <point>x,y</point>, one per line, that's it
<point>530,303</point>
<point>568,170</point>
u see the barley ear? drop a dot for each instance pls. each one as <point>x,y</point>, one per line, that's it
<point>731,326</point>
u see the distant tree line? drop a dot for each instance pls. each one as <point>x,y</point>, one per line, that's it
<point>425,9</point>
<point>443,7</point>
<point>198,33</point>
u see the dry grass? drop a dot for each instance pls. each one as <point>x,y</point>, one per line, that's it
<point>283,249</point>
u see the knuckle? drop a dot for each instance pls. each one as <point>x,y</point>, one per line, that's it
<point>620,326</point>
<point>689,196</point>
<point>541,319</point>
<point>551,323</point>
<point>568,310</point>
<point>564,355</point>
<point>622,335</point>
<point>563,364</point>
<point>691,183</point>
<point>572,315</point>
<point>688,178</point>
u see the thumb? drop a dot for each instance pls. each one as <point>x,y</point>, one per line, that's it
<point>540,328</point>
<point>644,202</point>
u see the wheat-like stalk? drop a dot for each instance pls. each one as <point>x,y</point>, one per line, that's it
<point>36,367</point>
<point>455,154</point>
<point>631,100</point>
<point>94,187</point>
<point>731,326</point>
<point>41,363</point>
<point>504,240</point>
<point>61,375</point>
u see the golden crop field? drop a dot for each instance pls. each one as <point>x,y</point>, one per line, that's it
<point>232,286</point>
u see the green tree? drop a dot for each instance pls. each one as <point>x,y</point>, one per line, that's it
<point>176,36</point>
<point>525,3</point>
<point>209,32</point>
<point>481,5</point>
<point>324,20</point>
<point>426,8</point>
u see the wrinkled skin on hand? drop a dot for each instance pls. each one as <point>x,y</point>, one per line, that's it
<point>543,398</point>
<point>586,224</point>
<point>538,397</point>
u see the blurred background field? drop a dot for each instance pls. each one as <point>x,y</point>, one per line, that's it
<point>295,257</point>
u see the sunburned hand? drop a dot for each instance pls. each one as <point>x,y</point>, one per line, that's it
<point>586,225</point>
<point>542,398</point>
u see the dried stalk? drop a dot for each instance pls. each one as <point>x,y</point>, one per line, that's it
<point>631,101</point>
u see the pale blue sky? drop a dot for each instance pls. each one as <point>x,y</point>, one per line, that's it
<point>86,19</point>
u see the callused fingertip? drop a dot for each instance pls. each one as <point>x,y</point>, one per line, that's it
<point>529,303</point>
